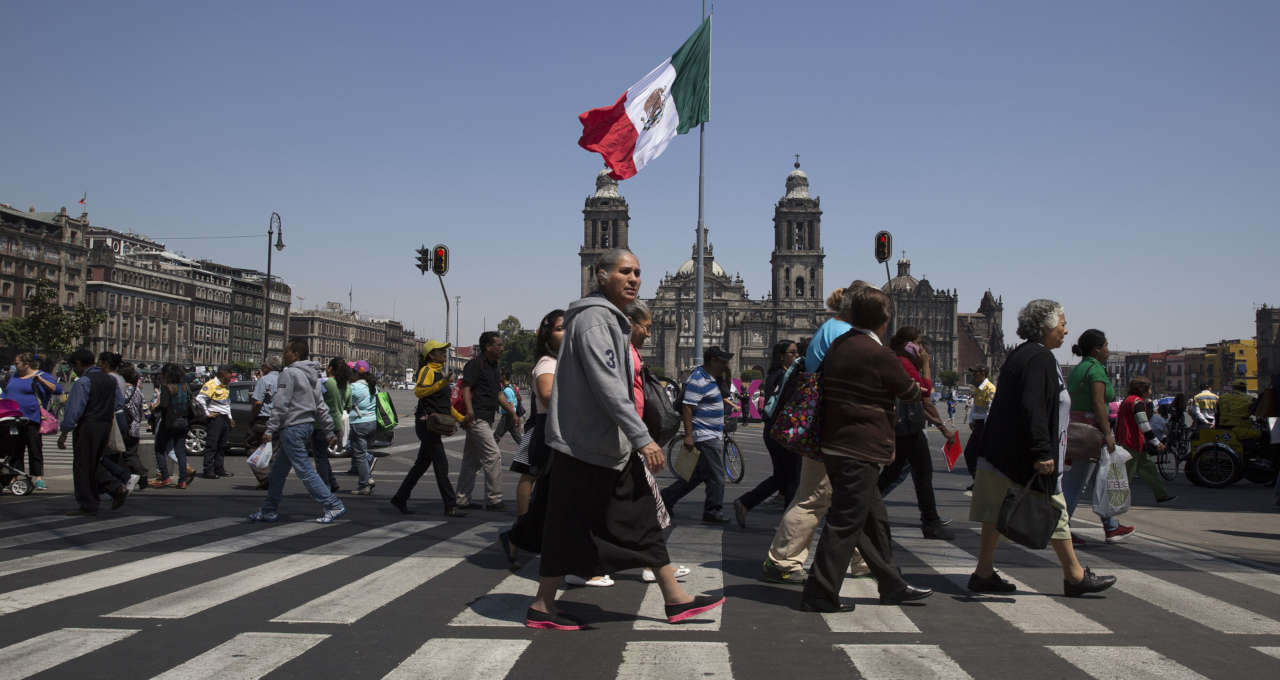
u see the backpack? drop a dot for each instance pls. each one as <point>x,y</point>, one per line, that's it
<point>660,416</point>
<point>385,411</point>
<point>909,419</point>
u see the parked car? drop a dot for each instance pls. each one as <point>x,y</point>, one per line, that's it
<point>242,414</point>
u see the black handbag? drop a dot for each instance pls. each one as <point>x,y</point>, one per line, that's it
<point>1027,516</point>
<point>660,416</point>
<point>910,417</point>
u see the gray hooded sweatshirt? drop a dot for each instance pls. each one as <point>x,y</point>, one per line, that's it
<point>592,415</point>
<point>299,398</point>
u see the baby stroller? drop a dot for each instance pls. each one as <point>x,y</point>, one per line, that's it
<point>13,479</point>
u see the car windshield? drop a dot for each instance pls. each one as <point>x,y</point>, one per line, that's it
<point>240,395</point>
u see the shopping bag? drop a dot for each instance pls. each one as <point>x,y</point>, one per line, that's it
<point>1111,488</point>
<point>344,431</point>
<point>1274,425</point>
<point>1027,516</point>
<point>48,423</point>
<point>687,461</point>
<point>797,427</point>
<point>115,439</point>
<point>952,450</point>
<point>261,457</point>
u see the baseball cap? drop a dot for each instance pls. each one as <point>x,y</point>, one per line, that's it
<point>432,345</point>
<point>716,353</point>
<point>361,366</point>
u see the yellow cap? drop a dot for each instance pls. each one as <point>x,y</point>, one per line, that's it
<point>432,345</point>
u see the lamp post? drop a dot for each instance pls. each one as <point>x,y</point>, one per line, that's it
<point>274,228</point>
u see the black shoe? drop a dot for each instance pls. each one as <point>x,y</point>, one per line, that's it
<point>937,530</point>
<point>908,594</point>
<point>454,512</point>
<point>1167,499</point>
<point>990,584</point>
<point>740,513</point>
<point>715,519</point>
<point>208,475</point>
<point>825,607</point>
<point>400,505</point>
<point>496,507</point>
<point>508,549</point>
<point>224,473</point>
<point>700,603</point>
<point>771,573</point>
<point>118,498</point>
<point>465,506</point>
<point>1090,583</point>
<point>262,486</point>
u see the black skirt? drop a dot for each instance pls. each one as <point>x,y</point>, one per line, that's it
<point>599,520</point>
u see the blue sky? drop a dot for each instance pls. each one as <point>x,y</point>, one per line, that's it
<point>1122,158</point>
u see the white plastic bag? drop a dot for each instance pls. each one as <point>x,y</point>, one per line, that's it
<point>261,457</point>
<point>344,431</point>
<point>1111,493</point>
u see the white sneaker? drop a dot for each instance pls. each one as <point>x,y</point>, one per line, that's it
<point>598,582</point>
<point>650,577</point>
<point>132,483</point>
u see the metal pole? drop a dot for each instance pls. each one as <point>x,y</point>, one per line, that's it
<point>701,240</point>
<point>273,223</point>
<point>449,351</point>
<point>457,327</point>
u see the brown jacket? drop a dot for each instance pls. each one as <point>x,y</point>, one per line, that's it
<point>860,381</point>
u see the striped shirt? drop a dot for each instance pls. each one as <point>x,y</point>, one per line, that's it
<point>703,394</point>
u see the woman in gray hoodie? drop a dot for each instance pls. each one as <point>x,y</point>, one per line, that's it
<point>601,512</point>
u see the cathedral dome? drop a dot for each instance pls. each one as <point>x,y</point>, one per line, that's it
<point>904,282</point>
<point>686,269</point>
<point>797,183</point>
<point>606,186</point>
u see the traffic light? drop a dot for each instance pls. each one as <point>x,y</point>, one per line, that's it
<point>440,263</point>
<point>424,260</point>
<point>884,246</point>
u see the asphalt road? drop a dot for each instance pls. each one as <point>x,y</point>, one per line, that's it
<point>176,584</point>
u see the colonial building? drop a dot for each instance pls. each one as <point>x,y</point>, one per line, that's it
<point>337,332</point>
<point>40,246</point>
<point>148,305</point>
<point>245,339</point>
<point>980,336</point>
<point>1268,337</point>
<point>732,320</point>
<point>916,303</point>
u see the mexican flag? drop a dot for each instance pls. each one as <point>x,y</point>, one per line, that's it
<point>674,98</point>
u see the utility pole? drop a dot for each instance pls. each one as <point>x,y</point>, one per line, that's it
<point>457,327</point>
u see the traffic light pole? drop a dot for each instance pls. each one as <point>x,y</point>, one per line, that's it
<point>447,352</point>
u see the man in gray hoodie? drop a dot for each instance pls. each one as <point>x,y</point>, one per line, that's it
<point>298,406</point>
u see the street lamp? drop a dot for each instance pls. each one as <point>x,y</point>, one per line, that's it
<point>274,228</point>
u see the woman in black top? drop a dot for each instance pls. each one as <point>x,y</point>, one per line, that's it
<point>1026,437</point>
<point>786,466</point>
<point>173,419</point>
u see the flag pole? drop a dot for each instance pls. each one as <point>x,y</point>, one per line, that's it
<point>702,232</point>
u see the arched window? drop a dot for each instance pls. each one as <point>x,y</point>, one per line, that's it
<point>799,286</point>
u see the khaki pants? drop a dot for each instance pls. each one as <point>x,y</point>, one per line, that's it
<point>480,451</point>
<point>790,547</point>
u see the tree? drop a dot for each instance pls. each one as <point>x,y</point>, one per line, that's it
<point>948,378</point>
<point>46,327</point>
<point>749,374</point>
<point>518,350</point>
<point>509,327</point>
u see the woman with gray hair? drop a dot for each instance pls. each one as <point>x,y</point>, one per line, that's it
<point>1026,437</point>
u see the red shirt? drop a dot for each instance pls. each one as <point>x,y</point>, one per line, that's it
<point>637,382</point>
<point>925,384</point>
<point>1127,433</point>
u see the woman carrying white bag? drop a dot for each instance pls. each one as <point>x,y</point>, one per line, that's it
<point>1133,432</point>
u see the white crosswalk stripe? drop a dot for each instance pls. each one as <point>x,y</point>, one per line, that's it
<point>1026,610</point>
<point>1269,651</point>
<point>1131,663</point>
<point>111,545</point>
<point>40,653</point>
<point>362,597</point>
<point>701,548</point>
<point>29,522</point>
<point>870,616</point>
<point>505,604</point>
<point>903,662</point>
<point>74,530</point>
<point>460,659</point>
<point>247,656</point>
<point>18,600</point>
<point>222,590</point>
<point>675,661</point>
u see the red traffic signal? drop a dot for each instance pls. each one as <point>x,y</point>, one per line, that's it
<point>440,260</point>
<point>884,246</point>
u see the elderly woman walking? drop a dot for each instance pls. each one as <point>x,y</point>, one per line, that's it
<point>1026,436</point>
<point>601,512</point>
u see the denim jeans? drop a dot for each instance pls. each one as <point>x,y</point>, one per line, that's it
<point>710,469</point>
<point>175,439</point>
<point>1077,480</point>
<point>291,446</point>
<point>320,452</point>
<point>361,436</point>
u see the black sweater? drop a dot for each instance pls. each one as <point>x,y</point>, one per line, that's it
<point>1022,426</point>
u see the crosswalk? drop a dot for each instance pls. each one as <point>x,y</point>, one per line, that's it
<point>433,599</point>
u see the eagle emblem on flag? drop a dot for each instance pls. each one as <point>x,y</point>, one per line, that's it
<point>653,108</point>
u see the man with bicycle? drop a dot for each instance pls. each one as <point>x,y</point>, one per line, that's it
<point>703,409</point>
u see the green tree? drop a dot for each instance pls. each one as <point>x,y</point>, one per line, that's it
<point>509,328</point>
<point>46,327</point>
<point>750,374</point>
<point>948,378</point>
<point>518,349</point>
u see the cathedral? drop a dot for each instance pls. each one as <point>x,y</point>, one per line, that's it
<point>795,305</point>
<point>732,320</point>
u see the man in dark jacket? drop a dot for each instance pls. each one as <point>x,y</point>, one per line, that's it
<point>95,397</point>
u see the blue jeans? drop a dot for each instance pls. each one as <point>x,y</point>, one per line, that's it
<point>710,469</point>
<point>1077,480</point>
<point>291,446</point>
<point>358,445</point>
<point>175,439</point>
<point>320,453</point>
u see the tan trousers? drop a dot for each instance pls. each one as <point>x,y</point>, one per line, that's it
<point>790,547</point>
<point>480,452</point>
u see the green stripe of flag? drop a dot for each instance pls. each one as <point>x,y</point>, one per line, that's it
<point>692,86</point>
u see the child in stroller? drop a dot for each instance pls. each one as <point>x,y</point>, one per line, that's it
<point>14,480</point>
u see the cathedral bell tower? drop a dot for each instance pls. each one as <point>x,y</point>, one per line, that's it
<point>605,219</point>
<point>797,244</point>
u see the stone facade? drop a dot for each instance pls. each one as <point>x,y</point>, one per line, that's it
<point>149,310</point>
<point>605,221</point>
<point>40,246</point>
<point>980,337</point>
<point>337,332</point>
<point>1268,337</point>
<point>916,303</point>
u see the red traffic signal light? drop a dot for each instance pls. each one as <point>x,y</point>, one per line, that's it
<point>884,246</point>
<point>440,260</point>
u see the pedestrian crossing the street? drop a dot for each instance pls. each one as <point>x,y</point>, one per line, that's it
<point>429,598</point>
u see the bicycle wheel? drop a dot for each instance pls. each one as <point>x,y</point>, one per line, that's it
<point>733,466</point>
<point>673,448</point>
<point>1167,462</point>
